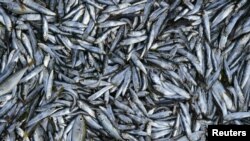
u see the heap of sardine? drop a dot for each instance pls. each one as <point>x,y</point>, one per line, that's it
<point>136,70</point>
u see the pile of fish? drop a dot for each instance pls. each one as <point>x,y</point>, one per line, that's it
<point>136,70</point>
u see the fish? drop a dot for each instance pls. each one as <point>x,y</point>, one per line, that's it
<point>108,125</point>
<point>9,83</point>
<point>79,129</point>
<point>136,70</point>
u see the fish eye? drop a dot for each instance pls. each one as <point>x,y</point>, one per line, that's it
<point>80,118</point>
